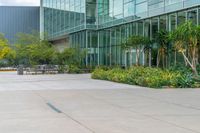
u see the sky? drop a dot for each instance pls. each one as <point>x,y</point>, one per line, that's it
<point>19,2</point>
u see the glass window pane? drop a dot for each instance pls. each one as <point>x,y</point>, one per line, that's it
<point>169,2</point>
<point>118,8</point>
<point>163,22</point>
<point>140,28</point>
<point>140,8</point>
<point>154,22</point>
<point>181,17</point>
<point>192,16</point>
<point>147,28</point>
<point>129,9</point>
<point>172,22</point>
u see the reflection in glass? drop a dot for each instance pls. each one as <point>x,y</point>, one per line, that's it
<point>181,17</point>
<point>192,16</point>
<point>147,27</point>
<point>141,8</point>
<point>163,22</point>
<point>172,22</point>
<point>140,28</point>
<point>154,22</point>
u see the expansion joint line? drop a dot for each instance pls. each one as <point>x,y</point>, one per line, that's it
<point>149,116</point>
<point>65,114</point>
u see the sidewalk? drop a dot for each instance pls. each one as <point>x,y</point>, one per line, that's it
<point>78,104</point>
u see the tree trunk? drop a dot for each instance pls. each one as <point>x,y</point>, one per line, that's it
<point>186,64</point>
<point>194,56</point>
<point>139,52</point>
<point>131,58</point>
<point>149,57</point>
<point>175,57</point>
<point>193,66</point>
<point>158,58</point>
<point>163,58</point>
<point>166,61</point>
<point>197,56</point>
<point>137,57</point>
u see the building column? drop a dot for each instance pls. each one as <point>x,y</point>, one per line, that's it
<point>41,20</point>
<point>86,47</point>
<point>98,48</point>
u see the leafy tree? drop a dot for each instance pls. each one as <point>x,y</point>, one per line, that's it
<point>22,54</point>
<point>71,56</point>
<point>34,54</point>
<point>4,47</point>
<point>2,37</point>
<point>186,41</point>
<point>66,57</point>
<point>137,43</point>
<point>31,50</point>
<point>42,53</point>
<point>25,39</point>
<point>11,57</point>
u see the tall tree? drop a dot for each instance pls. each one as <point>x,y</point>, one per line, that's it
<point>138,43</point>
<point>32,38</point>
<point>162,40</point>
<point>31,50</point>
<point>186,38</point>
<point>4,47</point>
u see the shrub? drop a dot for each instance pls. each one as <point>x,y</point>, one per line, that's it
<point>185,81</point>
<point>63,68</point>
<point>74,69</point>
<point>99,73</point>
<point>104,68</point>
<point>180,68</point>
<point>147,77</point>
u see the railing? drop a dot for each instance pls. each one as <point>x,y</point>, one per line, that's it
<point>71,30</point>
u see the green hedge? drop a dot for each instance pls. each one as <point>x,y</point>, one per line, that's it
<point>147,77</point>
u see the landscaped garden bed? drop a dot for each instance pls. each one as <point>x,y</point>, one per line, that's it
<point>148,77</point>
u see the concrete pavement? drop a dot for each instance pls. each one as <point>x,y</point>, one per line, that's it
<point>78,104</point>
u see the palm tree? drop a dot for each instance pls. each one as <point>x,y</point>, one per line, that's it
<point>162,39</point>
<point>186,39</point>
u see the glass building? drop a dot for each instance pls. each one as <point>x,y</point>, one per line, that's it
<point>100,26</point>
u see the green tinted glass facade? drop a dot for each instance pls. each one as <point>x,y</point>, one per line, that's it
<point>100,26</point>
<point>68,16</point>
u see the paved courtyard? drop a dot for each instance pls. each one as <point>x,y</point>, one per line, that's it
<point>78,104</point>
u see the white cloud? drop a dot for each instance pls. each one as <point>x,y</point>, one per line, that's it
<point>20,2</point>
